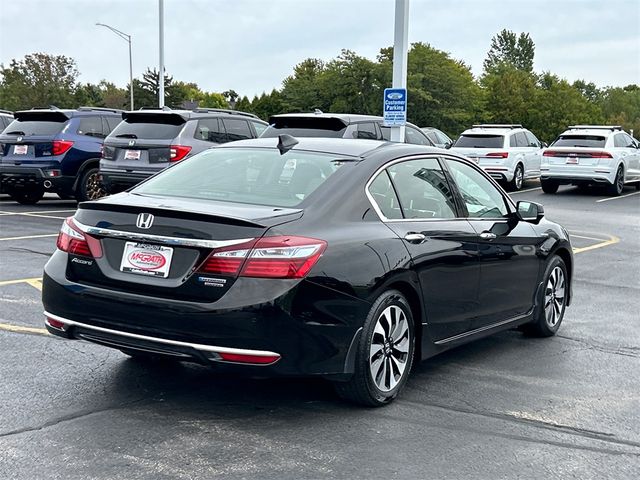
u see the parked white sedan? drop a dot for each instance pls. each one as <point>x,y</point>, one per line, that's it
<point>591,155</point>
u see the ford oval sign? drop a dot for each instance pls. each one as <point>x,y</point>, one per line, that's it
<point>394,96</point>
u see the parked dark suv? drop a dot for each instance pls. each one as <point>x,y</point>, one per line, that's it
<point>339,125</point>
<point>148,141</point>
<point>6,117</point>
<point>54,150</point>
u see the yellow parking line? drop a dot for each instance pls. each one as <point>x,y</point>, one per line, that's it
<point>616,198</point>
<point>18,329</point>
<point>604,243</point>
<point>29,237</point>
<point>21,280</point>
<point>37,284</point>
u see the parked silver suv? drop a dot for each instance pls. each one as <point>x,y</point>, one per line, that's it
<point>509,153</point>
<point>147,141</point>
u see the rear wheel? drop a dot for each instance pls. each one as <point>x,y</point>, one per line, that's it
<point>551,302</point>
<point>615,189</point>
<point>384,355</point>
<point>90,186</point>
<point>549,186</point>
<point>27,197</point>
<point>518,178</point>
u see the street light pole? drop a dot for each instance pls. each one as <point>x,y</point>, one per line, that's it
<point>161,41</point>
<point>400,49</point>
<point>126,37</point>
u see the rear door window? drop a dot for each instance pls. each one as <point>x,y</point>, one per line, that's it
<point>382,193</point>
<point>367,130</point>
<point>112,123</point>
<point>480,141</point>
<point>236,129</point>
<point>521,140</point>
<point>258,127</point>
<point>210,130</point>
<point>415,137</point>
<point>91,127</point>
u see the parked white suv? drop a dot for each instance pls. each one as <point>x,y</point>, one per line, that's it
<point>509,153</point>
<point>591,155</point>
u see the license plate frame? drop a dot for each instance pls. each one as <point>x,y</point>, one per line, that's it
<point>145,259</point>
<point>132,155</point>
<point>573,161</point>
<point>20,149</point>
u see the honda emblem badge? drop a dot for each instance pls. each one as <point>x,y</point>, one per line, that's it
<point>132,143</point>
<point>145,220</point>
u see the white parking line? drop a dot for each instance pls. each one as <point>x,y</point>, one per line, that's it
<point>573,235</point>
<point>28,237</point>
<point>616,198</point>
<point>37,212</point>
<point>524,191</point>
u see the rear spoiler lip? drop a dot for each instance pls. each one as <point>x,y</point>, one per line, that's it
<point>58,115</point>
<point>186,215</point>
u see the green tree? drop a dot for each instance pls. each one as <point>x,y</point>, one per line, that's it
<point>512,50</point>
<point>621,106</point>
<point>267,104</point>
<point>509,95</point>
<point>301,92</point>
<point>146,90</point>
<point>38,80</point>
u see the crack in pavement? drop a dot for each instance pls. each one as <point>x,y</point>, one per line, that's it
<point>28,250</point>
<point>555,427</point>
<point>625,351</point>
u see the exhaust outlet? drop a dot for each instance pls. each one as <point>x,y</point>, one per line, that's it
<point>47,184</point>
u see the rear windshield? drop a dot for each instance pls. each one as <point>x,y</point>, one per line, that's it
<point>257,176</point>
<point>147,126</point>
<point>591,141</point>
<point>480,141</point>
<point>305,127</point>
<point>33,127</point>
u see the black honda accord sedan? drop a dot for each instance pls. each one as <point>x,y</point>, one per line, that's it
<point>347,259</point>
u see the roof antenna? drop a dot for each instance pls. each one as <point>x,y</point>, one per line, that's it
<point>286,143</point>
<point>317,111</point>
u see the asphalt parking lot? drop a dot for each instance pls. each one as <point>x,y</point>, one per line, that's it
<point>504,407</point>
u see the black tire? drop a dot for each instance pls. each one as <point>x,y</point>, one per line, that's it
<point>363,388</point>
<point>616,188</point>
<point>517,182</point>
<point>637,185</point>
<point>27,197</point>
<point>90,187</point>
<point>550,307</point>
<point>549,186</point>
<point>64,196</point>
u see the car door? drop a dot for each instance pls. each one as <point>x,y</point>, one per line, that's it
<point>414,199</point>
<point>509,266</point>
<point>632,155</point>
<point>534,156</point>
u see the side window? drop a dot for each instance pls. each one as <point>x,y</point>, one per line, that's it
<point>415,137</point>
<point>112,122</point>
<point>91,126</point>
<point>433,137</point>
<point>631,143</point>
<point>532,140</point>
<point>443,139</point>
<point>513,142</point>
<point>481,197</point>
<point>210,130</point>
<point>367,130</point>
<point>423,189</point>
<point>385,197</point>
<point>236,129</point>
<point>386,133</point>
<point>521,139</point>
<point>259,128</point>
<point>618,140</point>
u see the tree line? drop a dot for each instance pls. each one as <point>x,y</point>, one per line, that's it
<point>442,91</point>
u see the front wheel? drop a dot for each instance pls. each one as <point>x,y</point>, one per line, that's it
<point>549,186</point>
<point>552,300</point>
<point>615,189</point>
<point>90,186</point>
<point>27,197</point>
<point>518,178</point>
<point>384,355</point>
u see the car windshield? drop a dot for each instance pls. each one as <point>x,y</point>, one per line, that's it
<point>257,176</point>
<point>590,141</point>
<point>480,141</point>
<point>34,127</point>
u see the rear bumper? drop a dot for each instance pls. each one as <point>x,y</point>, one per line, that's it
<point>578,174</point>
<point>13,178</point>
<point>310,327</point>
<point>115,182</point>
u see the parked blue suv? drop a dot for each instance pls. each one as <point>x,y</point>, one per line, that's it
<point>54,150</point>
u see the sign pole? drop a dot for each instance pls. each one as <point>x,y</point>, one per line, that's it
<point>400,50</point>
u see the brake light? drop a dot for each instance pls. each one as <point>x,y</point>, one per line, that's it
<point>269,257</point>
<point>498,154</point>
<point>178,152</point>
<point>601,155</point>
<point>72,240</point>
<point>554,153</point>
<point>60,146</point>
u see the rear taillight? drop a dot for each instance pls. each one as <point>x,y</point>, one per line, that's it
<point>553,153</point>
<point>498,154</point>
<point>60,146</point>
<point>72,240</point>
<point>269,257</point>
<point>178,152</point>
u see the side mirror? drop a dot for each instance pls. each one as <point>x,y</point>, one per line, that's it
<point>449,144</point>
<point>530,211</point>
<point>544,145</point>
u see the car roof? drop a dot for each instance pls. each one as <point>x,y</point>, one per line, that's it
<point>494,129</point>
<point>339,146</point>
<point>595,130</point>
<point>196,113</point>
<point>70,112</point>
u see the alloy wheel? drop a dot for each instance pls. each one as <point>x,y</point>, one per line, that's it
<point>389,352</point>
<point>554,297</point>
<point>519,177</point>
<point>93,186</point>
<point>619,180</point>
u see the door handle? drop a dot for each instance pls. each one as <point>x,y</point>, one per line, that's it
<point>414,237</point>
<point>487,235</point>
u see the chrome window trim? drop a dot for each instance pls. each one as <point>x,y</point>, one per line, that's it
<point>166,341</point>
<point>146,237</point>
<point>384,219</point>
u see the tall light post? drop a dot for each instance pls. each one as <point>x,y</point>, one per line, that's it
<point>400,50</point>
<point>161,48</point>
<point>126,37</point>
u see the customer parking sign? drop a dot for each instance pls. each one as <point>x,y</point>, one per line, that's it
<point>395,106</point>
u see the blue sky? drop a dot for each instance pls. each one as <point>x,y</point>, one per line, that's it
<point>252,45</point>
